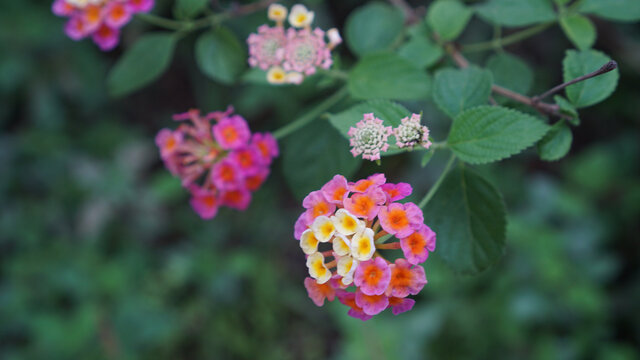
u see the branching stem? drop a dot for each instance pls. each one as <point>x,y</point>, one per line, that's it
<point>507,40</point>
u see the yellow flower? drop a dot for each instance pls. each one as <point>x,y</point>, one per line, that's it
<point>308,242</point>
<point>276,75</point>
<point>300,16</point>
<point>277,12</point>
<point>317,269</point>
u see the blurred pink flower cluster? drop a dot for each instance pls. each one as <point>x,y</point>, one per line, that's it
<point>220,164</point>
<point>354,221</point>
<point>99,19</point>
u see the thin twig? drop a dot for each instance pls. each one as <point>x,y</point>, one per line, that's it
<point>610,66</point>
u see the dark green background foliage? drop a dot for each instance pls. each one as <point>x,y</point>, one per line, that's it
<point>102,258</point>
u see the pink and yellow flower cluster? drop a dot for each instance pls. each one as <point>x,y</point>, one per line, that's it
<point>220,164</point>
<point>100,19</point>
<point>290,55</point>
<point>369,137</point>
<point>353,220</point>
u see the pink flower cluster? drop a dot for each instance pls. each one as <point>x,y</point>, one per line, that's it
<point>370,137</point>
<point>355,221</point>
<point>290,54</point>
<point>100,19</point>
<point>221,164</point>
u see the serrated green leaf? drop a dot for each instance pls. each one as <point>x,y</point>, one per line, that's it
<point>313,156</point>
<point>618,10</point>
<point>568,109</point>
<point>421,51</point>
<point>579,30</point>
<point>456,90</point>
<point>448,18</point>
<point>517,12</point>
<point>510,72</point>
<point>468,216</point>
<point>594,90</point>
<point>489,133</point>
<point>220,55</point>
<point>556,143</point>
<point>143,63</point>
<point>372,28</point>
<point>388,76</point>
<point>386,110</point>
<point>187,9</point>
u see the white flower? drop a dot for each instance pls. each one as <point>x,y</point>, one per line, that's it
<point>276,75</point>
<point>300,16</point>
<point>277,12</point>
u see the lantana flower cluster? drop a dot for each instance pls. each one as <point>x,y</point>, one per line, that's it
<point>369,137</point>
<point>220,164</point>
<point>352,220</point>
<point>100,19</point>
<point>288,55</point>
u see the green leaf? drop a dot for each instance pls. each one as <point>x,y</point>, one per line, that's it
<point>517,12</point>
<point>188,9</point>
<point>469,217</point>
<point>489,133</point>
<point>618,10</point>
<point>556,143</point>
<point>510,72</point>
<point>579,30</point>
<point>448,18</point>
<point>147,59</point>
<point>427,157</point>
<point>220,55</point>
<point>372,28</point>
<point>385,110</point>
<point>594,90</point>
<point>388,76</point>
<point>313,155</point>
<point>456,90</point>
<point>568,109</point>
<point>421,51</point>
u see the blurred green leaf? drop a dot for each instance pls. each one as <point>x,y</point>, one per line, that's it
<point>421,51</point>
<point>510,72</point>
<point>187,9</point>
<point>568,109</point>
<point>143,63</point>
<point>372,28</point>
<point>579,29</point>
<point>427,157</point>
<point>388,76</point>
<point>448,18</point>
<point>517,13</point>
<point>617,10</point>
<point>594,90</point>
<point>468,215</point>
<point>489,133</point>
<point>456,90</point>
<point>556,143</point>
<point>313,156</point>
<point>220,55</point>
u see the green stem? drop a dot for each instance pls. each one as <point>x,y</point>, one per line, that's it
<point>425,200</point>
<point>507,40</point>
<point>312,114</point>
<point>162,22</point>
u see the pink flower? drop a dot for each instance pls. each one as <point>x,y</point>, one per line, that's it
<point>264,47</point>
<point>371,304</point>
<point>238,199</point>
<point>92,16</point>
<point>248,159</point>
<point>397,191</point>
<point>231,132</point>
<point>306,50</point>
<point>141,5</point>
<point>317,205</point>
<point>400,305</point>
<point>226,175</point>
<point>267,145</point>
<point>364,184</point>
<point>405,279</point>
<point>204,202</point>
<point>411,133</point>
<point>369,138</point>
<point>366,205</point>
<point>253,182</point>
<point>319,292</point>
<point>106,38</point>
<point>416,246</point>
<point>349,299</point>
<point>117,14</point>
<point>62,8</point>
<point>372,276</point>
<point>168,142</point>
<point>401,219</point>
<point>76,28</point>
<point>301,225</point>
<point>335,191</point>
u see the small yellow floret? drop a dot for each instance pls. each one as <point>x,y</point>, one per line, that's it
<point>346,268</point>
<point>362,245</point>
<point>317,269</point>
<point>300,16</point>
<point>346,223</point>
<point>323,228</point>
<point>341,245</point>
<point>308,242</point>
<point>276,75</point>
<point>277,12</point>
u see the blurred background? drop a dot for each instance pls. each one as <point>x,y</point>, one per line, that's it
<point>101,256</point>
